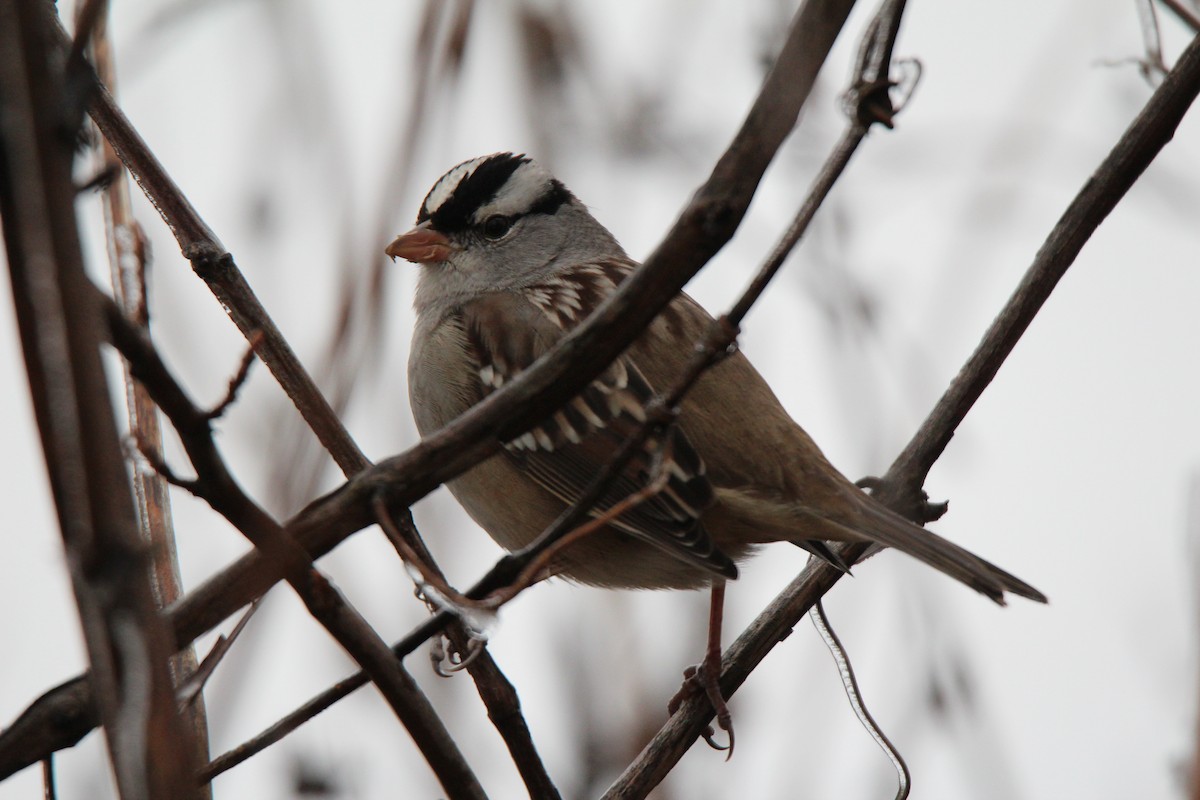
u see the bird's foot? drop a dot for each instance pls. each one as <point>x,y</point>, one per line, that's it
<point>705,677</point>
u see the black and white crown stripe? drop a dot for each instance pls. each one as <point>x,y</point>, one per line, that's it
<point>501,184</point>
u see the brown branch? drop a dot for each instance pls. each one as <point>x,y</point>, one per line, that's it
<point>189,690</point>
<point>1188,16</point>
<point>899,489</point>
<point>704,226</point>
<point>128,254</point>
<point>235,383</point>
<point>217,487</point>
<point>61,328</point>
<point>498,694</point>
<point>217,269</point>
<point>49,792</point>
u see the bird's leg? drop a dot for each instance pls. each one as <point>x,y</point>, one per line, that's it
<point>706,676</point>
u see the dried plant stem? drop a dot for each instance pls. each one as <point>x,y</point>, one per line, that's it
<point>128,259</point>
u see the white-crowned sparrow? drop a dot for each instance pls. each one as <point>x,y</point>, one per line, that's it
<point>510,259</point>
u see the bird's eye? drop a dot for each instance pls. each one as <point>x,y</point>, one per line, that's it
<point>495,226</point>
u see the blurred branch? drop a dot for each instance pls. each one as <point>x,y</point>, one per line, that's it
<point>128,258</point>
<point>61,330</point>
<point>217,269</point>
<point>218,488</point>
<point>1152,65</point>
<point>900,487</point>
<point>353,351</point>
<point>1192,555</point>
<point>1187,15</point>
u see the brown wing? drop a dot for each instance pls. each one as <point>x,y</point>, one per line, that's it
<point>565,453</point>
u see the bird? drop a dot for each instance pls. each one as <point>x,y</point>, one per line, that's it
<point>510,262</point>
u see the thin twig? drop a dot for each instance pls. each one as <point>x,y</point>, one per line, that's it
<point>1187,15</point>
<point>49,792</point>
<point>498,694</point>
<point>1151,64</point>
<point>190,689</point>
<point>236,382</point>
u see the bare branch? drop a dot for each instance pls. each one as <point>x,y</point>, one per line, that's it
<point>237,381</point>
<point>128,254</point>
<point>49,792</point>
<point>189,691</point>
<point>498,694</point>
<point>217,487</point>
<point>1152,65</point>
<point>128,643</point>
<point>1187,15</point>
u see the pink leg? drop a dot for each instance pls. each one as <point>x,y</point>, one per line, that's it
<point>706,676</point>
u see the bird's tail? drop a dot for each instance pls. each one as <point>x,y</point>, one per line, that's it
<point>880,524</point>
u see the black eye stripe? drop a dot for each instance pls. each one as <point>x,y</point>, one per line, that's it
<point>549,202</point>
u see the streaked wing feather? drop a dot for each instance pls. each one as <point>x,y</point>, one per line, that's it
<point>566,452</point>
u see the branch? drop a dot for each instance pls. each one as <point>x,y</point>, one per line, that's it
<point>128,256</point>
<point>217,269</point>
<point>899,489</point>
<point>217,487</point>
<point>127,642</point>
<point>1185,14</point>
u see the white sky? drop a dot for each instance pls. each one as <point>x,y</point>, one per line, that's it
<point>1073,471</point>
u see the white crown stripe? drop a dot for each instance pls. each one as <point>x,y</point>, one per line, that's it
<point>444,188</point>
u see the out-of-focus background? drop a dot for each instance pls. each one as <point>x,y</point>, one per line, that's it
<point>306,133</point>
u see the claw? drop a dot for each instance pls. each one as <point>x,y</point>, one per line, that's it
<point>697,679</point>
<point>447,661</point>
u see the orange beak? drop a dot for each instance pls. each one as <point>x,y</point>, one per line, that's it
<point>421,245</point>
